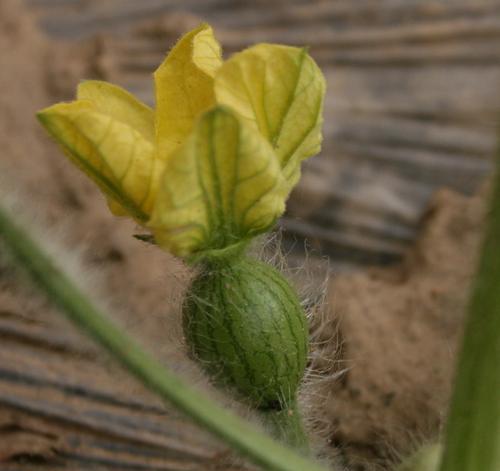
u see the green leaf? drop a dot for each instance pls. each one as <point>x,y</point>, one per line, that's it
<point>223,186</point>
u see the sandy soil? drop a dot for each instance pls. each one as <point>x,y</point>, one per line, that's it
<point>385,349</point>
<point>400,329</point>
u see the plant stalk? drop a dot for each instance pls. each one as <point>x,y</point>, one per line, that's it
<point>473,429</point>
<point>236,432</point>
<point>286,426</point>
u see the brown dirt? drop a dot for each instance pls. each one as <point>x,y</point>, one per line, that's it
<point>399,327</point>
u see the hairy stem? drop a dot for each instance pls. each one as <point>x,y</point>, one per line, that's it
<point>427,458</point>
<point>287,427</point>
<point>236,432</point>
<point>473,429</point>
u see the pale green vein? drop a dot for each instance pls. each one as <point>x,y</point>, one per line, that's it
<point>96,175</point>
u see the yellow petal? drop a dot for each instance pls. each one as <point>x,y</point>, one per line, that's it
<point>184,87</point>
<point>222,186</point>
<point>114,155</point>
<point>279,90</point>
<point>120,105</point>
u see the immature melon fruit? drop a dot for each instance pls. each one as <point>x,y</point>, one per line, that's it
<point>245,324</point>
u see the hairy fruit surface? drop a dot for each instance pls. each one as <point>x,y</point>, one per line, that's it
<point>244,323</point>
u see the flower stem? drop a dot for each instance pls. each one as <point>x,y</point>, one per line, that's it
<point>287,427</point>
<point>236,432</point>
<point>427,458</point>
<point>473,429</point>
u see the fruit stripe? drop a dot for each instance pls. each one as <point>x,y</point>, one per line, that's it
<point>272,347</point>
<point>245,325</point>
<point>281,300</point>
<point>287,293</point>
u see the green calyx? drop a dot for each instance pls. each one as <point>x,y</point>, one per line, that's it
<point>214,257</point>
<point>244,323</point>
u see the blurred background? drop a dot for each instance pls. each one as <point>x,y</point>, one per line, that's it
<point>410,121</point>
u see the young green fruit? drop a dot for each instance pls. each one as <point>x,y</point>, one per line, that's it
<point>244,323</point>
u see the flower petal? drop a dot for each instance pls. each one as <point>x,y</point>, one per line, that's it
<point>279,90</point>
<point>221,187</point>
<point>184,87</point>
<point>114,155</point>
<point>119,104</point>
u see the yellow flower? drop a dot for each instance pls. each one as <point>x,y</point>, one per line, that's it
<point>213,164</point>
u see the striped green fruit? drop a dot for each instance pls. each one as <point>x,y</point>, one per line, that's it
<point>244,323</point>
